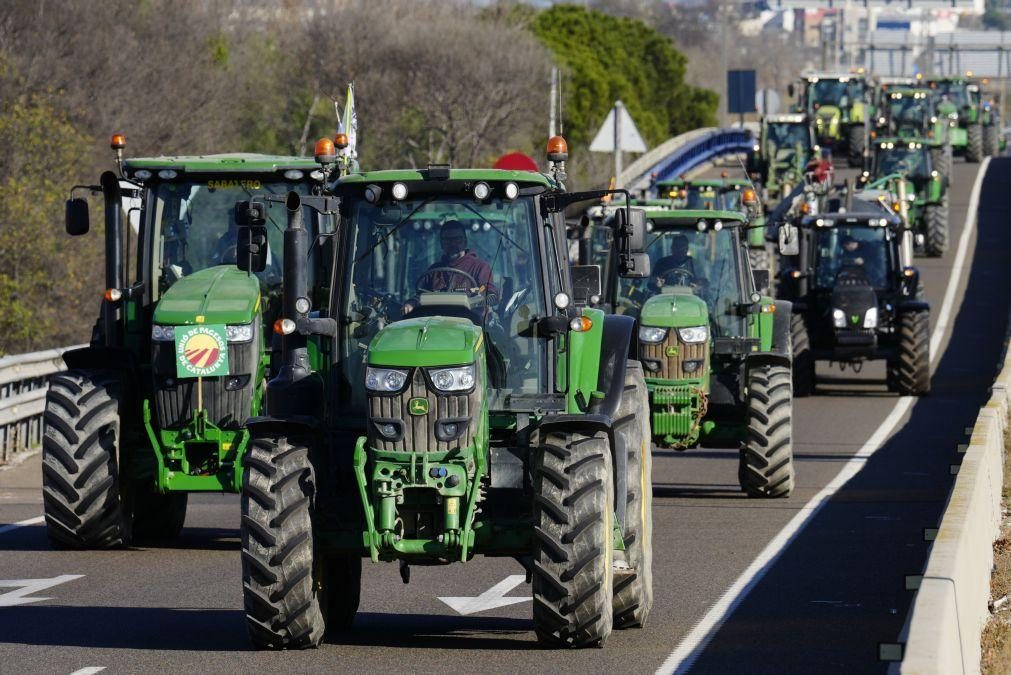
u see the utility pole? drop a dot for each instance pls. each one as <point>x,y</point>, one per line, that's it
<point>552,120</point>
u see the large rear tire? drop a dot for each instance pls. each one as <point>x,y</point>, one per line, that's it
<point>80,476</point>
<point>633,588</point>
<point>991,143</point>
<point>574,547</point>
<point>856,143</point>
<point>766,465</point>
<point>974,146</point>
<point>804,379</point>
<point>936,237</point>
<point>909,372</point>
<point>941,159</point>
<point>280,576</point>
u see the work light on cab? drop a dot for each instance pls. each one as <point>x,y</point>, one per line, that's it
<point>341,141</point>
<point>558,149</point>
<point>325,152</point>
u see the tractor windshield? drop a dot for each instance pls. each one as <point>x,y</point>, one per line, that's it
<point>830,92</point>
<point>910,162</point>
<point>852,246</point>
<point>908,109</point>
<point>194,225</point>
<point>682,259</point>
<point>956,92</point>
<point>447,255</point>
<point>788,136</point>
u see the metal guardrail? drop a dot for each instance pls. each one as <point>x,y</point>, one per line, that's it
<point>24,379</point>
<point>683,153</point>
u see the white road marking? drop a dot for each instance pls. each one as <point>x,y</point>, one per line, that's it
<point>26,587</point>
<point>90,670</point>
<point>23,523</point>
<point>490,599</point>
<point>691,647</point>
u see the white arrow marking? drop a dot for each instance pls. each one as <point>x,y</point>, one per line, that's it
<point>23,523</point>
<point>28,586</point>
<point>90,670</point>
<point>490,599</point>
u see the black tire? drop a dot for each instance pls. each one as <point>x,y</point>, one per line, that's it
<point>766,466</point>
<point>941,159</point>
<point>936,223</point>
<point>804,379</point>
<point>856,143</point>
<point>991,143</point>
<point>909,372</point>
<point>574,549</point>
<point>633,588</point>
<point>280,574</point>
<point>974,146</point>
<point>157,517</point>
<point>80,477</point>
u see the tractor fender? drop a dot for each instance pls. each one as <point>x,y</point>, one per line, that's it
<point>587,424</point>
<point>778,358</point>
<point>265,425</point>
<point>913,306</point>
<point>617,346</point>
<point>118,359</point>
<point>782,340</point>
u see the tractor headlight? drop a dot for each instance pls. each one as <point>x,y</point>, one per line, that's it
<point>871,318</point>
<point>691,366</point>
<point>163,333</point>
<point>838,318</point>
<point>242,332</point>
<point>694,334</point>
<point>453,379</point>
<point>652,334</point>
<point>384,379</point>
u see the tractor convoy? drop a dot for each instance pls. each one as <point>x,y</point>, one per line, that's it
<point>422,366</point>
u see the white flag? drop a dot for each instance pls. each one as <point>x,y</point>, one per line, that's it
<point>349,124</point>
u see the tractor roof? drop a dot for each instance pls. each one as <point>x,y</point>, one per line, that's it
<point>869,218</point>
<point>691,217</point>
<point>786,118</point>
<point>899,92</point>
<point>892,80</point>
<point>423,175</point>
<point>827,75</point>
<point>704,182</point>
<point>237,162</point>
<point>893,143</point>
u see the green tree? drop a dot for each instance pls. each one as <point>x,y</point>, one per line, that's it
<point>608,58</point>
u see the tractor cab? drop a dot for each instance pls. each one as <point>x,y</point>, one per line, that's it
<point>839,104</point>
<point>907,113</point>
<point>780,158</point>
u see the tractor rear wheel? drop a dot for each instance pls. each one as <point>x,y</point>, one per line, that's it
<point>766,465</point>
<point>156,516</point>
<point>633,588</point>
<point>991,146</point>
<point>856,143</point>
<point>974,146</point>
<point>941,159</point>
<point>80,475</point>
<point>804,379</point>
<point>936,240</point>
<point>280,582</point>
<point>909,372</point>
<point>574,547</point>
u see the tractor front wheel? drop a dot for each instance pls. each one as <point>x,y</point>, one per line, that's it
<point>281,583</point>
<point>80,476</point>
<point>974,146</point>
<point>856,143</point>
<point>766,464</point>
<point>909,372</point>
<point>991,144</point>
<point>941,159</point>
<point>574,541</point>
<point>936,239</point>
<point>804,379</point>
<point>633,587</point>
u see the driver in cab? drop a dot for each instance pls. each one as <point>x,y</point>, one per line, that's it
<point>459,269</point>
<point>675,267</point>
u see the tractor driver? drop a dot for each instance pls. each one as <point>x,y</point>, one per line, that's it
<point>676,268</point>
<point>459,269</point>
<point>860,254</point>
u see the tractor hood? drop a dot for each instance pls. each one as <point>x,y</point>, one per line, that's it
<point>674,309</point>
<point>217,295</point>
<point>426,341</point>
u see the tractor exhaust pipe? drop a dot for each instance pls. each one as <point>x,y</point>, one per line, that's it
<point>113,251</point>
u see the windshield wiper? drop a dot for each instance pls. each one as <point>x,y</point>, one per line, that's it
<point>393,231</point>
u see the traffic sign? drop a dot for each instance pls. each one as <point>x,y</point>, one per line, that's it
<point>628,138</point>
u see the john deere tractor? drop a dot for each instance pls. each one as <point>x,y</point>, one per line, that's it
<point>780,158</point>
<point>856,296</point>
<point>714,349</point>
<point>926,189</point>
<point>152,409</point>
<point>977,121</point>
<point>447,399</point>
<point>840,107</point>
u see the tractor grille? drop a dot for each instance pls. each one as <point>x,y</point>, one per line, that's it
<point>417,433</point>
<point>175,399</point>
<point>671,367</point>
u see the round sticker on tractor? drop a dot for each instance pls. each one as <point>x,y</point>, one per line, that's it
<point>201,351</point>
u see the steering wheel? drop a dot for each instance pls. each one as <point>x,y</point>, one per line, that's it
<point>451,270</point>
<point>676,276</point>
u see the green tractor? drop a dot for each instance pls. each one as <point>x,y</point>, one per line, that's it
<point>925,189</point>
<point>840,106</point>
<point>152,409</point>
<point>447,400</point>
<point>723,194</point>
<point>910,113</point>
<point>715,350</point>
<point>779,159</point>
<point>977,121</point>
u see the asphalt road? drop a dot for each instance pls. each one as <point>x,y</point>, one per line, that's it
<point>872,473</point>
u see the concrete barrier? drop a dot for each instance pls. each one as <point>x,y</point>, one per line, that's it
<point>943,630</point>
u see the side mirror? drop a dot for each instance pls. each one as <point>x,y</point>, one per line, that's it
<point>585,283</point>
<point>789,243</point>
<point>250,213</point>
<point>630,228</point>
<point>77,222</point>
<point>634,265</point>
<point>251,255</point>
<point>761,278</point>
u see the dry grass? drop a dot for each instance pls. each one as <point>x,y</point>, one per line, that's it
<point>997,633</point>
